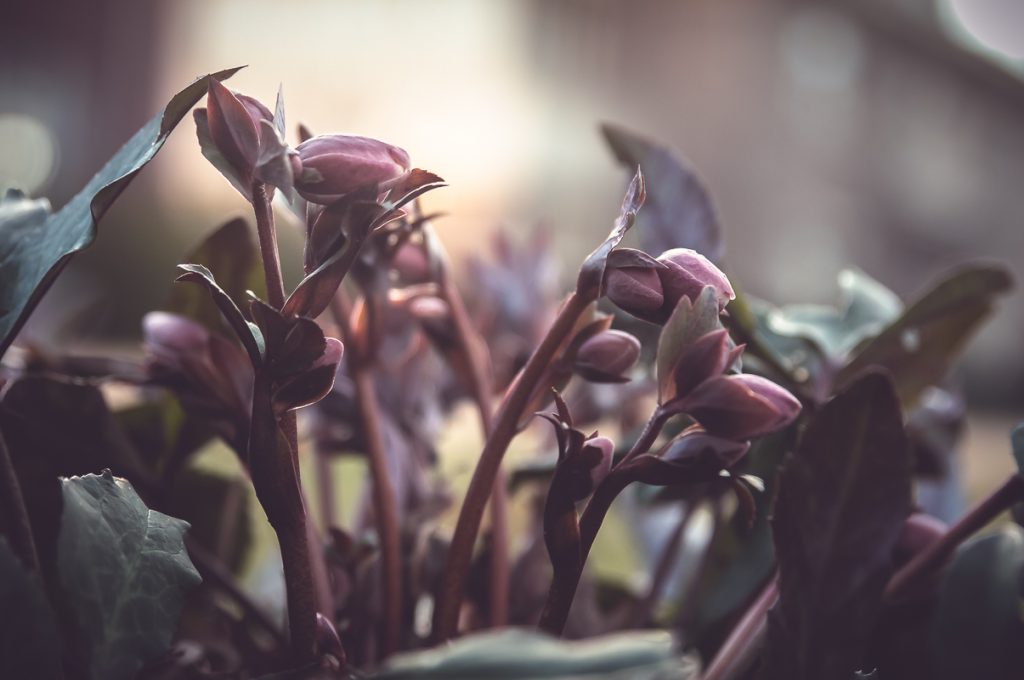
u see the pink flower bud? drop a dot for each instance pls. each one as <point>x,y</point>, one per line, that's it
<point>335,165</point>
<point>234,122</point>
<point>741,406</point>
<point>636,291</point>
<point>918,532</point>
<point>696,445</point>
<point>607,356</point>
<point>686,274</point>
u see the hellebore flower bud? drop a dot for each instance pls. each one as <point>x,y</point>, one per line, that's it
<point>234,124</point>
<point>636,291</point>
<point>741,406</point>
<point>335,165</point>
<point>919,531</point>
<point>606,357</point>
<point>687,273</point>
<point>696,445</point>
<point>593,464</point>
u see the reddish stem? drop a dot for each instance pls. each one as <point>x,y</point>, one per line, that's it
<point>385,505</point>
<point>471,346</point>
<point>740,649</point>
<point>564,583</point>
<point>268,245</point>
<point>449,600</point>
<point>936,554</point>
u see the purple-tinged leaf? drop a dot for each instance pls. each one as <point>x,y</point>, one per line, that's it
<point>689,322</point>
<point>248,333</point>
<point>679,213</point>
<point>35,245</point>
<point>590,282</point>
<point>842,501</point>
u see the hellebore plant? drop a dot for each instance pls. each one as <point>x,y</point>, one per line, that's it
<point>782,444</point>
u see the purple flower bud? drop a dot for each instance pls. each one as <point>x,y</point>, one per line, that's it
<point>695,444</point>
<point>636,291</point>
<point>234,122</point>
<point>686,274</point>
<point>741,406</point>
<point>607,356</point>
<point>335,165</point>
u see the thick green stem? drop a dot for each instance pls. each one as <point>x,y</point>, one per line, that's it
<point>517,398</point>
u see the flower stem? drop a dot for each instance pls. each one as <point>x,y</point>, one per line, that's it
<point>565,582</point>
<point>268,244</point>
<point>472,348</point>
<point>506,421</point>
<point>932,557</point>
<point>385,504</point>
<point>739,651</point>
<point>14,522</point>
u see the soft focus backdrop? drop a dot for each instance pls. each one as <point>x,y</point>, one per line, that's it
<point>884,134</point>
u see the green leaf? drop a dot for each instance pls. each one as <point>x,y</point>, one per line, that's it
<point>36,244</point>
<point>231,252</point>
<point>679,212</point>
<point>918,348</point>
<point>688,322</point>
<point>843,498</point>
<point>866,307</point>
<point>520,654</point>
<point>978,625</point>
<point>126,571</point>
<point>29,643</point>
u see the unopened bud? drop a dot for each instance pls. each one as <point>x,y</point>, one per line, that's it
<point>335,165</point>
<point>636,291</point>
<point>741,406</point>
<point>234,123</point>
<point>686,274</point>
<point>592,466</point>
<point>606,357</point>
<point>705,358</point>
<point>919,531</point>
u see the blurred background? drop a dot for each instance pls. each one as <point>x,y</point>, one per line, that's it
<point>883,134</point>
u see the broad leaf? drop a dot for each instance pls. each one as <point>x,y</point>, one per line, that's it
<point>590,281</point>
<point>29,643</point>
<point>919,347</point>
<point>36,244</point>
<point>977,627</point>
<point>865,308</point>
<point>520,654</point>
<point>230,251</point>
<point>679,213</point>
<point>843,497</point>
<point>126,571</point>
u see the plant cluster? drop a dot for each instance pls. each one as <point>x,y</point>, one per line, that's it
<point>782,443</point>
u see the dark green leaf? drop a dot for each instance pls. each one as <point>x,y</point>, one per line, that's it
<point>231,252</point>
<point>918,348</point>
<point>689,321</point>
<point>679,212</point>
<point>977,628</point>
<point>35,244</point>
<point>126,571</point>
<point>29,643</point>
<point>843,497</point>
<point>590,281</point>
<point>520,654</point>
